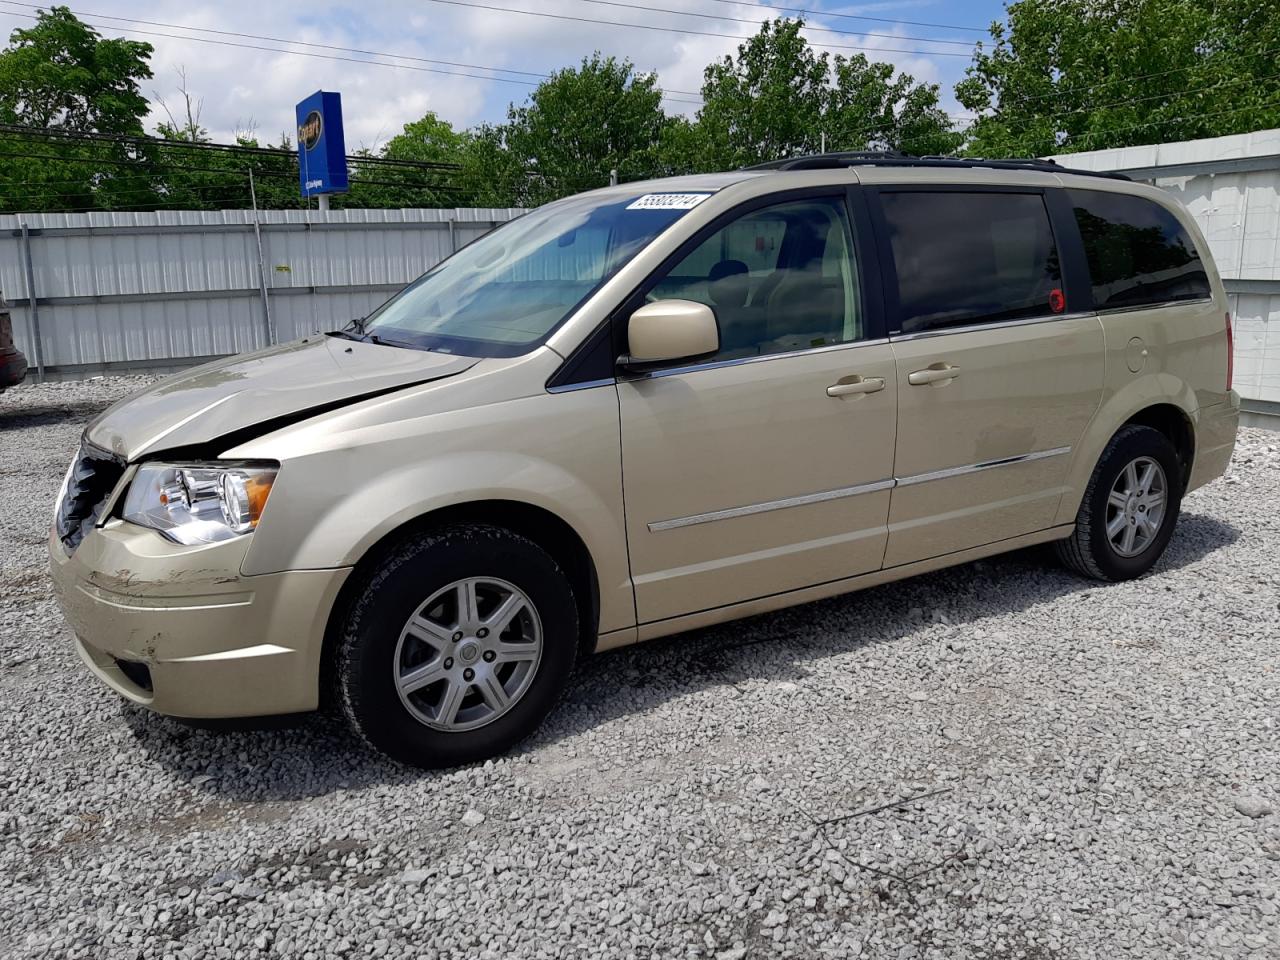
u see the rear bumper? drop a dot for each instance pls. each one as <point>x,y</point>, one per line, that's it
<point>179,630</point>
<point>1215,440</point>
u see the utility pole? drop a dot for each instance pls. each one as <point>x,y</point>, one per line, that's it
<point>262,264</point>
<point>33,311</point>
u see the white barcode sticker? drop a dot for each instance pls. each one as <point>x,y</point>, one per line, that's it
<point>667,201</point>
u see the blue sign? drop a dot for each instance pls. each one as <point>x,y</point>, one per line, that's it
<point>322,150</point>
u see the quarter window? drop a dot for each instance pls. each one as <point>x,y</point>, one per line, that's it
<point>970,258</point>
<point>780,278</point>
<point>1137,250</point>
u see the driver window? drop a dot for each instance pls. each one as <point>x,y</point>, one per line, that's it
<point>779,279</point>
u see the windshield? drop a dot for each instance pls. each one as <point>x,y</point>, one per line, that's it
<point>508,291</point>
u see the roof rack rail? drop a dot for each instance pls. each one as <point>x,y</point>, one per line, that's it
<point>825,161</point>
<point>892,158</point>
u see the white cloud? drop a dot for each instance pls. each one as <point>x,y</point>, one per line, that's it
<point>240,86</point>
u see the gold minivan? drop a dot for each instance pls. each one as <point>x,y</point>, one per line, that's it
<point>644,409</point>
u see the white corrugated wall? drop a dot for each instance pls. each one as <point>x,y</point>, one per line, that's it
<point>136,288</point>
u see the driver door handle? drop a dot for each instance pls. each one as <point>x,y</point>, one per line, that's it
<point>855,385</point>
<point>934,373</point>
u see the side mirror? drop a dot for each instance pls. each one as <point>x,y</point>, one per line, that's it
<point>668,330</point>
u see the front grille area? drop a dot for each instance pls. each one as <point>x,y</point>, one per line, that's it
<point>94,474</point>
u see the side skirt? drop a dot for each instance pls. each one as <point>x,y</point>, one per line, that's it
<point>777,601</point>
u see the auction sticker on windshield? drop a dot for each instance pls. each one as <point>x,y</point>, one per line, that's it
<point>667,201</point>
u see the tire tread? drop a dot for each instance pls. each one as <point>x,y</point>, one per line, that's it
<point>1078,552</point>
<point>346,685</point>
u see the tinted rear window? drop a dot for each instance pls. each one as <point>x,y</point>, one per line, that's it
<point>1138,252</point>
<point>969,258</point>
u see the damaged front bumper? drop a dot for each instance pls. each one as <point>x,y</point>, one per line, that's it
<point>178,629</point>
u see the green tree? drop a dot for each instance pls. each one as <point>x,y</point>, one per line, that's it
<point>60,75</point>
<point>872,107</point>
<point>778,98</point>
<point>425,140</point>
<point>1068,75</point>
<point>491,174</point>
<point>765,103</point>
<point>578,125</point>
<point>428,139</point>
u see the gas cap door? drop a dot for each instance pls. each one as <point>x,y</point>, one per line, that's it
<point>1135,355</point>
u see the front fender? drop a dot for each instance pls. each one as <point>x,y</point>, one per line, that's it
<point>341,490</point>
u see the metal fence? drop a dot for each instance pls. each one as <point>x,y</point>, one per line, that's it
<point>102,292</point>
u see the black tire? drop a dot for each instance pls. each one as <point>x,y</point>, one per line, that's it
<point>397,586</point>
<point>1088,550</point>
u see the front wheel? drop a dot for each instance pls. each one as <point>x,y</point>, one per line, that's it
<point>458,646</point>
<point>1129,509</point>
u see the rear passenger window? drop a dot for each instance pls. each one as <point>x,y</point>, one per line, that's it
<point>1138,252</point>
<point>970,258</point>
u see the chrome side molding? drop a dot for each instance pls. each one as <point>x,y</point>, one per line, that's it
<point>978,467</point>
<point>768,505</point>
<point>874,487</point>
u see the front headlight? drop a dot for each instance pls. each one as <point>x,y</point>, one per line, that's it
<point>199,503</point>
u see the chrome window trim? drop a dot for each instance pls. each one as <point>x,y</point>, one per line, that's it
<point>839,494</point>
<point>770,505</point>
<point>584,385</point>
<point>998,325</point>
<point>737,361</point>
<point>949,472</point>
<point>1161,305</point>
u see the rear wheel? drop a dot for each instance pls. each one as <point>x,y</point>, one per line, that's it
<point>1129,509</point>
<point>459,645</point>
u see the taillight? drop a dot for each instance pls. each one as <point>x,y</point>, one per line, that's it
<point>1231,352</point>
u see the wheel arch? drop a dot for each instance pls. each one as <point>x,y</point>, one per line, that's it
<point>549,531</point>
<point>1172,421</point>
<point>1170,410</point>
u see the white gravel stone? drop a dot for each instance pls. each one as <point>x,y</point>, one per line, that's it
<point>995,761</point>
<point>1254,807</point>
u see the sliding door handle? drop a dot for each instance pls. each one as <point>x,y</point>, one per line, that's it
<point>855,385</point>
<point>934,373</point>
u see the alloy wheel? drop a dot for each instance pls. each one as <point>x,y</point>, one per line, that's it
<point>1136,506</point>
<point>468,654</point>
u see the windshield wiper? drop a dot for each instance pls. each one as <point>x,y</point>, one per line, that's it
<point>355,331</point>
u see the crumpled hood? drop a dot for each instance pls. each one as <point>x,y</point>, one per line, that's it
<point>238,393</point>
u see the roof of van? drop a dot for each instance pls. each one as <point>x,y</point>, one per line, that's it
<point>875,168</point>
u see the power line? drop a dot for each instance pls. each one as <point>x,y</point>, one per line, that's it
<point>17,201</point>
<point>1173,95</point>
<point>807,11</point>
<point>295,53</point>
<point>695,33</point>
<point>318,46</point>
<point>233,148</point>
<point>1119,79</point>
<point>1020,99</point>
<point>300,43</point>
<point>807,25</point>
<point>290,175</point>
<point>1191,116</point>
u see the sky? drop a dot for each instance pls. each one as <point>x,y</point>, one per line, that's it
<point>494,56</point>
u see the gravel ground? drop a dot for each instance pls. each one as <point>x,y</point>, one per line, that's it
<point>995,761</point>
